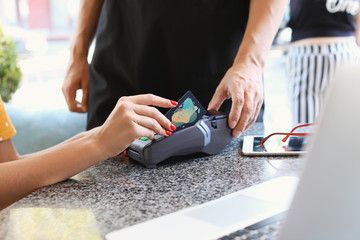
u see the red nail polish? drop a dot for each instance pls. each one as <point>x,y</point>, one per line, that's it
<point>173,127</point>
<point>125,154</point>
<point>174,102</point>
<point>168,132</point>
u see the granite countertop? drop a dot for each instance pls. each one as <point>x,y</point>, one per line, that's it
<point>118,193</point>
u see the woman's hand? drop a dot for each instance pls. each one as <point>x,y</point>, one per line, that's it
<point>132,118</point>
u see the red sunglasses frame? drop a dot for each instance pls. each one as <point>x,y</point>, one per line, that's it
<point>288,134</point>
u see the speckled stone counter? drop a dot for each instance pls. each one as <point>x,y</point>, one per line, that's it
<point>118,193</point>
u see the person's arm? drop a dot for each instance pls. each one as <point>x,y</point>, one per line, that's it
<point>357,30</point>
<point>130,119</point>
<point>7,151</point>
<point>77,76</point>
<point>243,81</point>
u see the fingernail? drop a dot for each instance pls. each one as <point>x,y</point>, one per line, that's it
<point>236,133</point>
<point>173,127</point>
<point>232,124</point>
<point>174,102</point>
<point>168,132</point>
<point>125,154</point>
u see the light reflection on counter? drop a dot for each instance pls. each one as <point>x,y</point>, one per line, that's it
<point>48,223</point>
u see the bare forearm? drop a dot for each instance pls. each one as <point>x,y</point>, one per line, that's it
<point>357,30</point>
<point>131,118</point>
<point>264,21</point>
<point>21,177</point>
<point>72,139</point>
<point>86,26</point>
<point>7,151</point>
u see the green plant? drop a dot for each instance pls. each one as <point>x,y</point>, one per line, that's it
<point>10,74</point>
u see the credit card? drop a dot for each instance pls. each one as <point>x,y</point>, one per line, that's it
<point>187,112</point>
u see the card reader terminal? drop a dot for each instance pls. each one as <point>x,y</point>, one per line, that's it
<point>209,135</point>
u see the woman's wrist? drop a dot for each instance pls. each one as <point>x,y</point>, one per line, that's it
<point>98,144</point>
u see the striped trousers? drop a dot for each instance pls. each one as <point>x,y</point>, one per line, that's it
<point>310,69</point>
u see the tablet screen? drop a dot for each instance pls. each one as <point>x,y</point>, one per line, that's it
<point>274,144</point>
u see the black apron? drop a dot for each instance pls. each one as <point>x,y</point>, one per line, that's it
<point>164,47</point>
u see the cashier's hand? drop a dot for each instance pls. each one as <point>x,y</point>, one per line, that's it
<point>245,88</point>
<point>132,118</point>
<point>77,77</point>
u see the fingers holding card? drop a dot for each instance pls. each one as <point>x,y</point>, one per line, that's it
<point>187,112</point>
